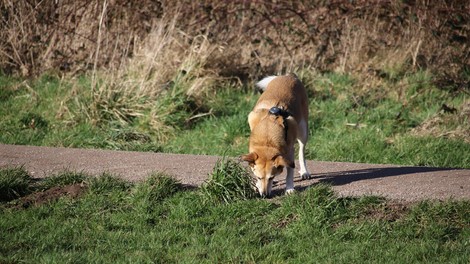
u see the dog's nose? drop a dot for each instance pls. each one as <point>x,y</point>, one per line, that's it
<point>265,195</point>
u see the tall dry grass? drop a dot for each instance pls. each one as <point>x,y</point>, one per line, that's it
<point>254,37</point>
<point>168,69</point>
<point>150,59</point>
<point>39,36</point>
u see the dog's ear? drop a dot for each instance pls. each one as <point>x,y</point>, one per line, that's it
<point>250,157</point>
<point>281,161</point>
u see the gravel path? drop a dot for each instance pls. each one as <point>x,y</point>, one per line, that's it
<point>348,179</point>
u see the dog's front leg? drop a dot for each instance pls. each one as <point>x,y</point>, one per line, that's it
<point>290,180</point>
<point>304,174</point>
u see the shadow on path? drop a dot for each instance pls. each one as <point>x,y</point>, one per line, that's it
<point>346,177</point>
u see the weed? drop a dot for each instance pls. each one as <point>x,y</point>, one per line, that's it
<point>229,181</point>
<point>388,38</point>
<point>153,89</point>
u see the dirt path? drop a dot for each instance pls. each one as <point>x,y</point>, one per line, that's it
<point>348,179</point>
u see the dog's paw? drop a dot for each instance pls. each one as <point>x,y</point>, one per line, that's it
<point>290,191</point>
<point>306,176</point>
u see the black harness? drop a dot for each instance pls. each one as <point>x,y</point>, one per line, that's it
<point>281,112</point>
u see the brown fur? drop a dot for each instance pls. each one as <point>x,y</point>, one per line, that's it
<point>271,148</point>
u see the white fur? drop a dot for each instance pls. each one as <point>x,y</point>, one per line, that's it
<point>302,140</point>
<point>263,84</point>
<point>290,180</point>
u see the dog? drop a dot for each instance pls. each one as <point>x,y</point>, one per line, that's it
<point>279,118</point>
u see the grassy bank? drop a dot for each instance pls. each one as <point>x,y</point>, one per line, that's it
<point>407,121</point>
<point>387,83</point>
<point>157,220</point>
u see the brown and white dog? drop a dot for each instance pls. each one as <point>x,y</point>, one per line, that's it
<point>279,118</point>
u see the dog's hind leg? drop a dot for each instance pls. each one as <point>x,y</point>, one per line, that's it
<point>302,140</point>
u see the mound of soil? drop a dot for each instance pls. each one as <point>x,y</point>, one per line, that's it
<point>389,211</point>
<point>50,195</point>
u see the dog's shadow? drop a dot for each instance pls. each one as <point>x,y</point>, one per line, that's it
<point>346,177</point>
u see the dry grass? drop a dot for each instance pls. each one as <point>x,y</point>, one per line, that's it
<point>167,69</point>
<point>252,37</point>
<point>448,123</point>
<point>148,53</point>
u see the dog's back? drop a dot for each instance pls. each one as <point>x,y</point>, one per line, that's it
<point>286,92</point>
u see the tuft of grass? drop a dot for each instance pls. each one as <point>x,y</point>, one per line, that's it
<point>14,183</point>
<point>229,181</point>
<point>156,188</point>
<point>152,89</point>
<point>106,183</point>
<point>148,197</point>
<point>63,179</point>
<point>33,121</point>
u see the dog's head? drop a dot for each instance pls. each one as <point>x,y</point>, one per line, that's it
<point>265,169</point>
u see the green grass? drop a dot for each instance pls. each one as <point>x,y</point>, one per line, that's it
<point>157,220</point>
<point>376,124</point>
<point>62,179</point>
<point>229,181</point>
<point>14,182</point>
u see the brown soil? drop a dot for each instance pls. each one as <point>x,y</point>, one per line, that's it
<point>38,198</point>
<point>389,211</point>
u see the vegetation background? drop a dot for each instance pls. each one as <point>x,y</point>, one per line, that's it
<point>389,80</point>
<point>237,38</point>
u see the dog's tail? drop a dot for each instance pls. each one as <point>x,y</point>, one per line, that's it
<point>264,82</point>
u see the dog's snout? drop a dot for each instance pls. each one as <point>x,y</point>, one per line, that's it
<point>264,186</point>
<point>265,195</point>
